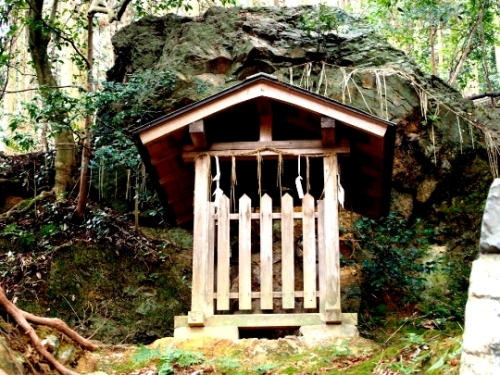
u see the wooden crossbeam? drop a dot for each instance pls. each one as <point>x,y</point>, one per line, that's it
<point>274,216</point>
<point>307,144</point>
<point>267,320</point>
<point>249,154</point>
<point>198,136</point>
<point>235,295</point>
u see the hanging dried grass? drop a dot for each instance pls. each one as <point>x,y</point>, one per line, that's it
<point>493,152</point>
<point>460,134</point>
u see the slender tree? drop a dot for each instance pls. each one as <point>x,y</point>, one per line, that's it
<point>39,37</point>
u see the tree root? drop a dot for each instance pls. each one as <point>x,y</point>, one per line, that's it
<point>17,210</point>
<point>22,317</point>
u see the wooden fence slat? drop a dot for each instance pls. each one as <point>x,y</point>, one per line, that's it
<point>309,251</point>
<point>332,303</point>
<point>287,252</point>
<point>321,256</point>
<point>266,252</point>
<point>245,255</point>
<point>223,251</point>
<point>209,310</point>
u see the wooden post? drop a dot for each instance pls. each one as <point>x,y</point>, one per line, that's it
<point>332,254</point>
<point>266,253</point>
<point>309,250</point>
<point>200,242</point>
<point>223,248</point>
<point>287,252</point>
<point>245,253</point>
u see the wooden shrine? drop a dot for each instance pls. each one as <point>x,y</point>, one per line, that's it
<point>261,131</point>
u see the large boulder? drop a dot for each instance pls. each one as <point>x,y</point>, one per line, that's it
<point>439,154</point>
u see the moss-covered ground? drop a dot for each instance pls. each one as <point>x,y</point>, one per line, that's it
<point>409,346</point>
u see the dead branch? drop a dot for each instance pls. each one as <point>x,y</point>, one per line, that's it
<point>18,316</point>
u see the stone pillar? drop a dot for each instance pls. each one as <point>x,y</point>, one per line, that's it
<point>481,340</point>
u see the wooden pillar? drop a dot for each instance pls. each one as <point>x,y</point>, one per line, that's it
<point>196,316</point>
<point>333,313</point>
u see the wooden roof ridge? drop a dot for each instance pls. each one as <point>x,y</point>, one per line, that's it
<point>372,123</point>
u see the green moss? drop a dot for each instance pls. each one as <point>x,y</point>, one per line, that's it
<point>112,295</point>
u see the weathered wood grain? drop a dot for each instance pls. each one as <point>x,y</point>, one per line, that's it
<point>223,251</point>
<point>309,251</point>
<point>245,255</point>
<point>200,240</point>
<point>332,301</point>
<point>287,252</point>
<point>266,253</point>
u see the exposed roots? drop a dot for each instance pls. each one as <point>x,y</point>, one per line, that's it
<point>22,206</point>
<point>22,317</point>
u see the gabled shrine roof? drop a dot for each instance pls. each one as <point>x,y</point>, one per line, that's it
<point>296,114</point>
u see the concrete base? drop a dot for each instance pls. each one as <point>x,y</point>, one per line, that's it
<point>329,331</point>
<point>230,332</point>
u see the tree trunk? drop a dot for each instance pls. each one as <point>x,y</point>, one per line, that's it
<point>433,50</point>
<point>38,40</point>
<point>467,48</point>
<point>84,172</point>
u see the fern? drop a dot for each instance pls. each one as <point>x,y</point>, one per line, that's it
<point>181,358</point>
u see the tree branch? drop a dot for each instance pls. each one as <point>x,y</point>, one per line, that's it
<point>490,94</point>
<point>48,87</point>
<point>60,34</point>
<point>465,52</point>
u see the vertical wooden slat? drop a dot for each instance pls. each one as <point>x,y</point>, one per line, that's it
<point>309,251</point>
<point>200,240</point>
<point>245,254</point>
<point>223,251</point>
<point>321,256</point>
<point>287,250</point>
<point>266,253</point>
<point>332,303</point>
<point>209,310</point>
